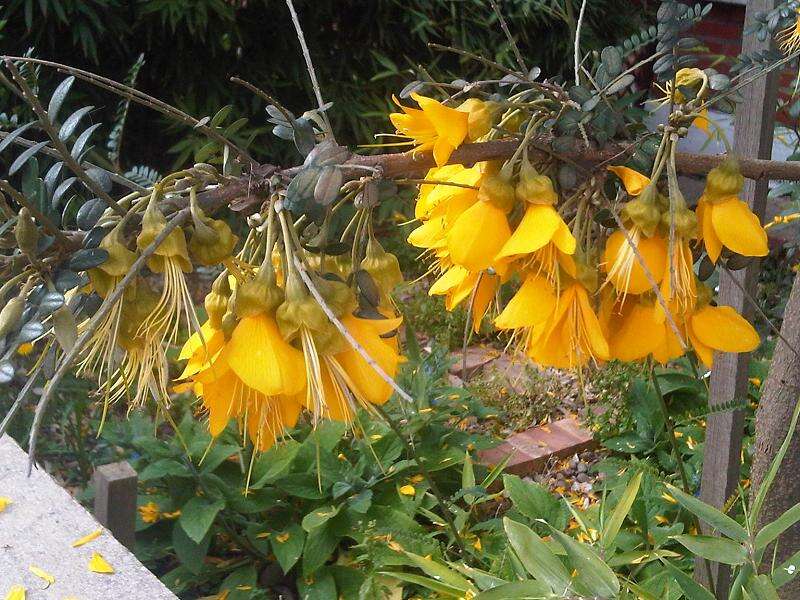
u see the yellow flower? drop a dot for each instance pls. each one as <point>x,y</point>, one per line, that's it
<point>634,182</point>
<point>5,501</point>
<point>720,328</point>
<point>150,512</point>
<point>572,335</point>
<point>724,219</point>
<point>408,490</point>
<point>16,592</point>
<point>789,39</point>
<point>688,79</point>
<point>478,234</point>
<point>458,284</point>
<point>433,126</point>
<point>98,564</point>
<point>533,303</point>
<point>633,329</point>
<point>624,267</point>
<point>25,349</point>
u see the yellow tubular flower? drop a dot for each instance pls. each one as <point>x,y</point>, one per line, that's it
<point>726,221</point>
<point>457,284</point>
<point>433,126</point>
<point>533,303</point>
<point>624,268</point>
<point>633,329</point>
<point>440,196</point>
<point>720,328</point>
<point>572,336</point>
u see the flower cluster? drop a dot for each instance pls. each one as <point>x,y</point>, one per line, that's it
<point>586,289</point>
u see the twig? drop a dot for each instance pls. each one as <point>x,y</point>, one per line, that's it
<point>310,67</point>
<point>49,226</point>
<point>94,322</point>
<point>58,143</point>
<point>138,97</point>
<point>265,96</point>
<point>510,38</point>
<point>577,47</point>
<point>12,411</point>
<point>115,177</point>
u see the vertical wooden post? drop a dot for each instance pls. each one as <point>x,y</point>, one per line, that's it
<point>115,500</point>
<point>754,133</point>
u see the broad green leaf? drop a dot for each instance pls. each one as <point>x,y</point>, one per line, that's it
<point>535,555</point>
<point>787,571</point>
<point>534,501</point>
<point>612,526</point>
<point>318,549</point>
<point>771,531</point>
<point>760,588</point>
<point>640,557</point>
<point>197,516</point>
<point>714,548</point>
<point>426,582</point>
<point>166,467</point>
<point>593,576</point>
<point>517,590</point>
<point>321,586</point>
<point>691,589</point>
<point>318,517</point>
<point>708,514</point>
<point>441,573</point>
<point>190,553</point>
<point>287,546</point>
<point>274,463</point>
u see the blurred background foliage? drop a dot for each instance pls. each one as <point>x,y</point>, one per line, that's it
<point>363,50</point>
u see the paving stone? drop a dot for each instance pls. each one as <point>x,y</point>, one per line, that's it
<point>530,450</point>
<point>37,530</point>
<point>477,358</point>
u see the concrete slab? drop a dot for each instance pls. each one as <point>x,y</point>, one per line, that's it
<point>37,530</point>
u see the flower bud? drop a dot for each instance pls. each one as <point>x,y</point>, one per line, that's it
<point>26,233</point>
<point>497,190</point>
<point>481,117</point>
<point>643,211</point>
<point>11,314</point>
<point>173,248</point>
<point>216,301</point>
<point>382,266</point>
<point>724,181</point>
<point>534,187</point>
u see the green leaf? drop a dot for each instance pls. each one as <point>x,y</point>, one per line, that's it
<point>787,571</point>
<point>318,517</point>
<point>287,546</point>
<point>197,516</point>
<point>240,584</point>
<point>441,573</point>
<point>57,99</point>
<point>274,463</point>
<point>426,582</point>
<point>190,553</point>
<point>536,556</point>
<point>166,467</point>
<point>718,520</point>
<point>518,590</point>
<point>771,531</point>
<point>321,586</point>
<point>593,577</point>
<point>318,549</point>
<point>216,455</point>
<point>614,523</point>
<point>24,157</point>
<point>534,501</point>
<point>691,589</point>
<point>761,588</point>
<point>468,478</point>
<point>713,548</point>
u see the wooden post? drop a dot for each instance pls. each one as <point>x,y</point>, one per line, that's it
<point>753,138</point>
<point>115,500</point>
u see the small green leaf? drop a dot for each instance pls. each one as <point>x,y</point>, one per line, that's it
<point>621,511</point>
<point>441,573</point>
<point>593,577</point>
<point>190,553</point>
<point>164,468</point>
<point>536,556</point>
<point>197,516</point>
<point>771,531</point>
<point>287,546</point>
<point>318,517</point>
<point>515,591</point>
<point>691,589</point>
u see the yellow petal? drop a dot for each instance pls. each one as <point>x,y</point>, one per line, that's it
<point>221,399</point>
<point>17,592</point>
<point>453,277</point>
<point>428,235</point>
<point>633,181</point>
<point>44,575</point>
<point>591,326</point>
<point>367,384</point>
<point>564,240</point>
<point>533,303</point>
<point>538,226</point>
<point>5,501</point>
<point>631,278</point>
<point>484,294</point>
<point>704,353</point>
<point>639,334</point>
<point>262,359</point>
<point>477,236</point>
<point>408,490</point>
<point>98,564</point>
<point>723,329</point>
<point>738,228</point>
<point>710,240</point>
<point>87,538</point>
<point>450,124</point>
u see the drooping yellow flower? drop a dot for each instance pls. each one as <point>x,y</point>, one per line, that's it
<point>633,328</point>
<point>458,284</point>
<point>532,305</point>
<point>720,328</point>
<point>572,336</point>
<point>150,512</point>
<point>433,126</point>
<point>439,196</point>
<point>625,269</point>
<point>105,277</point>
<point>726,221</point>
<point>688,79</point>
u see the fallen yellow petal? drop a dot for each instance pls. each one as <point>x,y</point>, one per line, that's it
<point>41,574</point>
<point>4,502</point>
<point>16,593</point>
<point>98,564</point>
<point>87,538</point>
<point>408,490</point>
